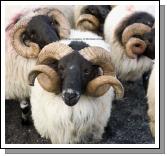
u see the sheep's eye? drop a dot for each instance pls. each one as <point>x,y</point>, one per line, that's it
<point>33,34</point>
<point>52,23</point>
<point>86,71</point>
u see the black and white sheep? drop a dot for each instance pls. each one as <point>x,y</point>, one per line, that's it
<point>151,101</point>
<point>129,30</point>
<point>91,17</point>
<point>76,73</point>
<point>29,31</point>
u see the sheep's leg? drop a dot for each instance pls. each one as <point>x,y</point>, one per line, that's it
<point>25,111</point>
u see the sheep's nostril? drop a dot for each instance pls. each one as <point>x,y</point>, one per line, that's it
<point>70,95</point>
<point>70,98</point>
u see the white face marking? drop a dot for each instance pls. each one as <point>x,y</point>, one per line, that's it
<point>71,67</point>
<point>70,91</point>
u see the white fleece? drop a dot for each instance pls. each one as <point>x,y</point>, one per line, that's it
<point>88,37</point>
<point>151,101</point>
<point>62,124</point>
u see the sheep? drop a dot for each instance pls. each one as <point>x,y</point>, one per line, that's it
<point>91,17</point>
<point>29,31</point>
<point>71,97</point>
<point>151,101</point>
<point>130,32</point>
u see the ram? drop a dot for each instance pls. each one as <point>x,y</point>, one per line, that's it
<point>130,32</point>
<point>151,101</point>
<point>73,86</point>
<point>26,34</point>
<point>91,17</point>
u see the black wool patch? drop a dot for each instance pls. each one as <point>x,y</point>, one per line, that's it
<point>78,45</point>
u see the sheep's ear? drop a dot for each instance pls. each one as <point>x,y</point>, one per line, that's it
<point>51,63</point>
<point>97,71</point>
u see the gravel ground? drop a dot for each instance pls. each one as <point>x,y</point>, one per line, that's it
<point>128,123</point>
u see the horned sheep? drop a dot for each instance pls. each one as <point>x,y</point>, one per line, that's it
<point>26,33</point>
<point>130,32</point>
<point>73,86</point>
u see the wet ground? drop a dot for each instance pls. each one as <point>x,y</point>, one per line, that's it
<point>128,123</point>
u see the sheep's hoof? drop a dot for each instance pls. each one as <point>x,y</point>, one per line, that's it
<point>26,120</point>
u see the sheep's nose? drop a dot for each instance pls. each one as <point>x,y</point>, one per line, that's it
<point>70,97</point>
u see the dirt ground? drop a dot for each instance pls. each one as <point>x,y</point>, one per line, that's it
<point>128,123</point>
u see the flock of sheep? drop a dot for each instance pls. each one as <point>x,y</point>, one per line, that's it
<point>66,63</point>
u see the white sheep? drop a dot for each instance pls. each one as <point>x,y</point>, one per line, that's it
<point>20,56</point>
<point>151,101</point>
<point>129,66</point>
<point>73,116</point>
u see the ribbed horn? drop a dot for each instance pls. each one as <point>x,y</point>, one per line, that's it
<point>30,50</point>
<point>47,77</point>
<point>87,22</point>
<point>55,50</point>
<point>97,87</point>
<point>62,21</point>
<point>134,46</point>
<point>100,85</point>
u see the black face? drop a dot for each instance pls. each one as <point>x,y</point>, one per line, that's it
<point>41,30</point>
<point>150,39</point>
<point>99,11</point>
<point>140,17</point>
<point>75,73</point>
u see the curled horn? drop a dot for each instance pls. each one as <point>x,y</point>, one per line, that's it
<point>48,77</point>
<point>31,49</point>
<point>28,50</point>
<point>55,50</point>
<point>100,85</point>
<point>133,45</point>
<point>87,22</point>
<point>63,23</point>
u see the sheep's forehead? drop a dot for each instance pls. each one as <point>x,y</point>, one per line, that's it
<point>74,57</point>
